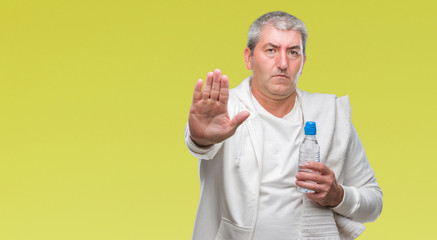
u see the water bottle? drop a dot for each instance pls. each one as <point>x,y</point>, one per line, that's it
<point>309,151</point>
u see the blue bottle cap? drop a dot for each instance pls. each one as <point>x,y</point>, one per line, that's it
<point>310,128</point>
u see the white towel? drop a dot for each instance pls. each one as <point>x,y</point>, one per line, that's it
<point>333,122</point>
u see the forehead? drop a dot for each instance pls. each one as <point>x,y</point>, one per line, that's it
<point>273,35</point>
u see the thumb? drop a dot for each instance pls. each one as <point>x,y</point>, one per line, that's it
<point>239,119</point>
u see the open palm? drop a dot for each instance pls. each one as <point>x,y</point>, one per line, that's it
<point>209,120</point>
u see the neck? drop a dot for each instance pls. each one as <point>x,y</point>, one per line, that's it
<point>277,107</point>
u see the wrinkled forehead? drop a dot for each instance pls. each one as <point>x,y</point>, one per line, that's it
<point>278,37</point>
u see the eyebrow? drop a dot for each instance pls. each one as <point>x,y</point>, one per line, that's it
<point>276,46</point>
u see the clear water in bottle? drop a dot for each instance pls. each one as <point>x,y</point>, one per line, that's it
<point>309,151</point>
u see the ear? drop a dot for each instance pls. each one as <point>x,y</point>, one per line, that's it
<point>303,64</point>
<point>247,58</point>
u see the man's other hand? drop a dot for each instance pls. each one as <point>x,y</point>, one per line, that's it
<point>209,121</point>
<point>327,192</point>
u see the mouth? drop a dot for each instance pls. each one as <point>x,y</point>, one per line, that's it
<point>280,76</point>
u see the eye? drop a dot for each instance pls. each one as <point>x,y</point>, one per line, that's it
<point>270,50</point>
<point>292,52</point>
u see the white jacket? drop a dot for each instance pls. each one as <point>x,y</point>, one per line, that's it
<point>230,174</point>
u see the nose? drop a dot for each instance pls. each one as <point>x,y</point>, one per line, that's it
<point>281,60</point>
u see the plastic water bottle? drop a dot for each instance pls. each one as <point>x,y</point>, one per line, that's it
<point>309,151</point>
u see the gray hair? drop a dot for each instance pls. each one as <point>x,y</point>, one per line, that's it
<point>281,21</point>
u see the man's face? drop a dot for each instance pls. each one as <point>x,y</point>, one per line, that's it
<point>276,63</point>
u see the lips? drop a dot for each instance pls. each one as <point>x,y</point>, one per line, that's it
<point>280,76</point>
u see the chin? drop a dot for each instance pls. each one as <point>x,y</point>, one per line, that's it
<point>282,88</point>
<point>282,94</point>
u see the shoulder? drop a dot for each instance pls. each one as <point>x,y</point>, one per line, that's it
<point>323,100</point>
<point>343,104</point>
<point>315,97</point>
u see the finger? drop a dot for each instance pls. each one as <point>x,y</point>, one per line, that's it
<point>239,119</point>
<point>197,95</point>
<point>307,185</point>
<point>306,176</point>
<point>224,90</point>
<point>317,166</point>
<point>324,198</point>
<point>215,89</point>
<point>207,88</point>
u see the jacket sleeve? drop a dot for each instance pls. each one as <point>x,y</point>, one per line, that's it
<point>206,153</point>
<point>362,200</point>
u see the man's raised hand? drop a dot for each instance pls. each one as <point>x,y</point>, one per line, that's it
<point>209,120</point>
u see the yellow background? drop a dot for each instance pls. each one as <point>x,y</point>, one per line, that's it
<point>94,97</point>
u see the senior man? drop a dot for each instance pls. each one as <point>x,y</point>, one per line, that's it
<point>247,140</point>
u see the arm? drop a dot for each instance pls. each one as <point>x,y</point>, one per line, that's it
<point>209,122</point>
<point>362,200</point>
<point>197,151</point>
